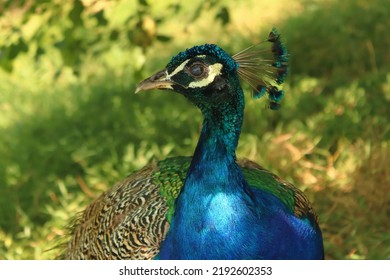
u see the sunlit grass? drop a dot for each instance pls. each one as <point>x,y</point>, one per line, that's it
<point>64,142</point>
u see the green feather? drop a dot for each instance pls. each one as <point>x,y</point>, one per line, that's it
<point>172,172</point>
<point>266,181</point>
<point>170,177</point>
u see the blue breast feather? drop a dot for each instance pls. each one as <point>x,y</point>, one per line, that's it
<point>251,224</point>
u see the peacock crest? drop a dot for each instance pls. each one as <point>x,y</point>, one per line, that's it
<point>264,68</point>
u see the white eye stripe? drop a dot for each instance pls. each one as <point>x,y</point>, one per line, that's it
<point>214,70</point>
<point>178,69</point>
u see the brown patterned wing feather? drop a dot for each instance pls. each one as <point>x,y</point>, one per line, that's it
<point>127,222</point>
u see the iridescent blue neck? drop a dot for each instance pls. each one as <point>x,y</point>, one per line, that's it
<point>220,133</point>
<point>215,195</point>
<point>213,162</point>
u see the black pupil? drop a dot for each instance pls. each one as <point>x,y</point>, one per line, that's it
<point>196,69</point>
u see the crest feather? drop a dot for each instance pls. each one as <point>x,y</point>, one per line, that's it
<point>264,68</point>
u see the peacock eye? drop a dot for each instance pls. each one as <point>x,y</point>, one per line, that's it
<point>197,69</point>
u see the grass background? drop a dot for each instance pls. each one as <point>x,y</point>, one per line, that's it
<point>70,125</point>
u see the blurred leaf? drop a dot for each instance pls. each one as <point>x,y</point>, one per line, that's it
<point>223,15</point>
<point>32,26</point>
<point>143,3</point>
<point>175,7</point>
<point>163,38</point>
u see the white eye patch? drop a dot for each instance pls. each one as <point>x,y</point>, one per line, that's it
<point>214,70</point>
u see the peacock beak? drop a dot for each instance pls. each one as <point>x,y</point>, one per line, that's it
<point>160,80</point>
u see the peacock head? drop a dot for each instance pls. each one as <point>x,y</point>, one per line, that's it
<point>207,75</point>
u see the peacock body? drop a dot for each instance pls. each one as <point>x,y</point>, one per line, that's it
<point>210,205</point>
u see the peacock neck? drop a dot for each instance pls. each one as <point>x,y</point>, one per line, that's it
<point>214,159</point>
<point>215,204</point>
<point>219,136</point>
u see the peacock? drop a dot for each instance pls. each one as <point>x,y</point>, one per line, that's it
<point>210,205</point>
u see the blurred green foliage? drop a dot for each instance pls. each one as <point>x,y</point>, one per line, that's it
<point>70,126</point>
<point>342,41</point>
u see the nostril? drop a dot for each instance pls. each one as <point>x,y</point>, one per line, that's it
<point>158,75</point>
